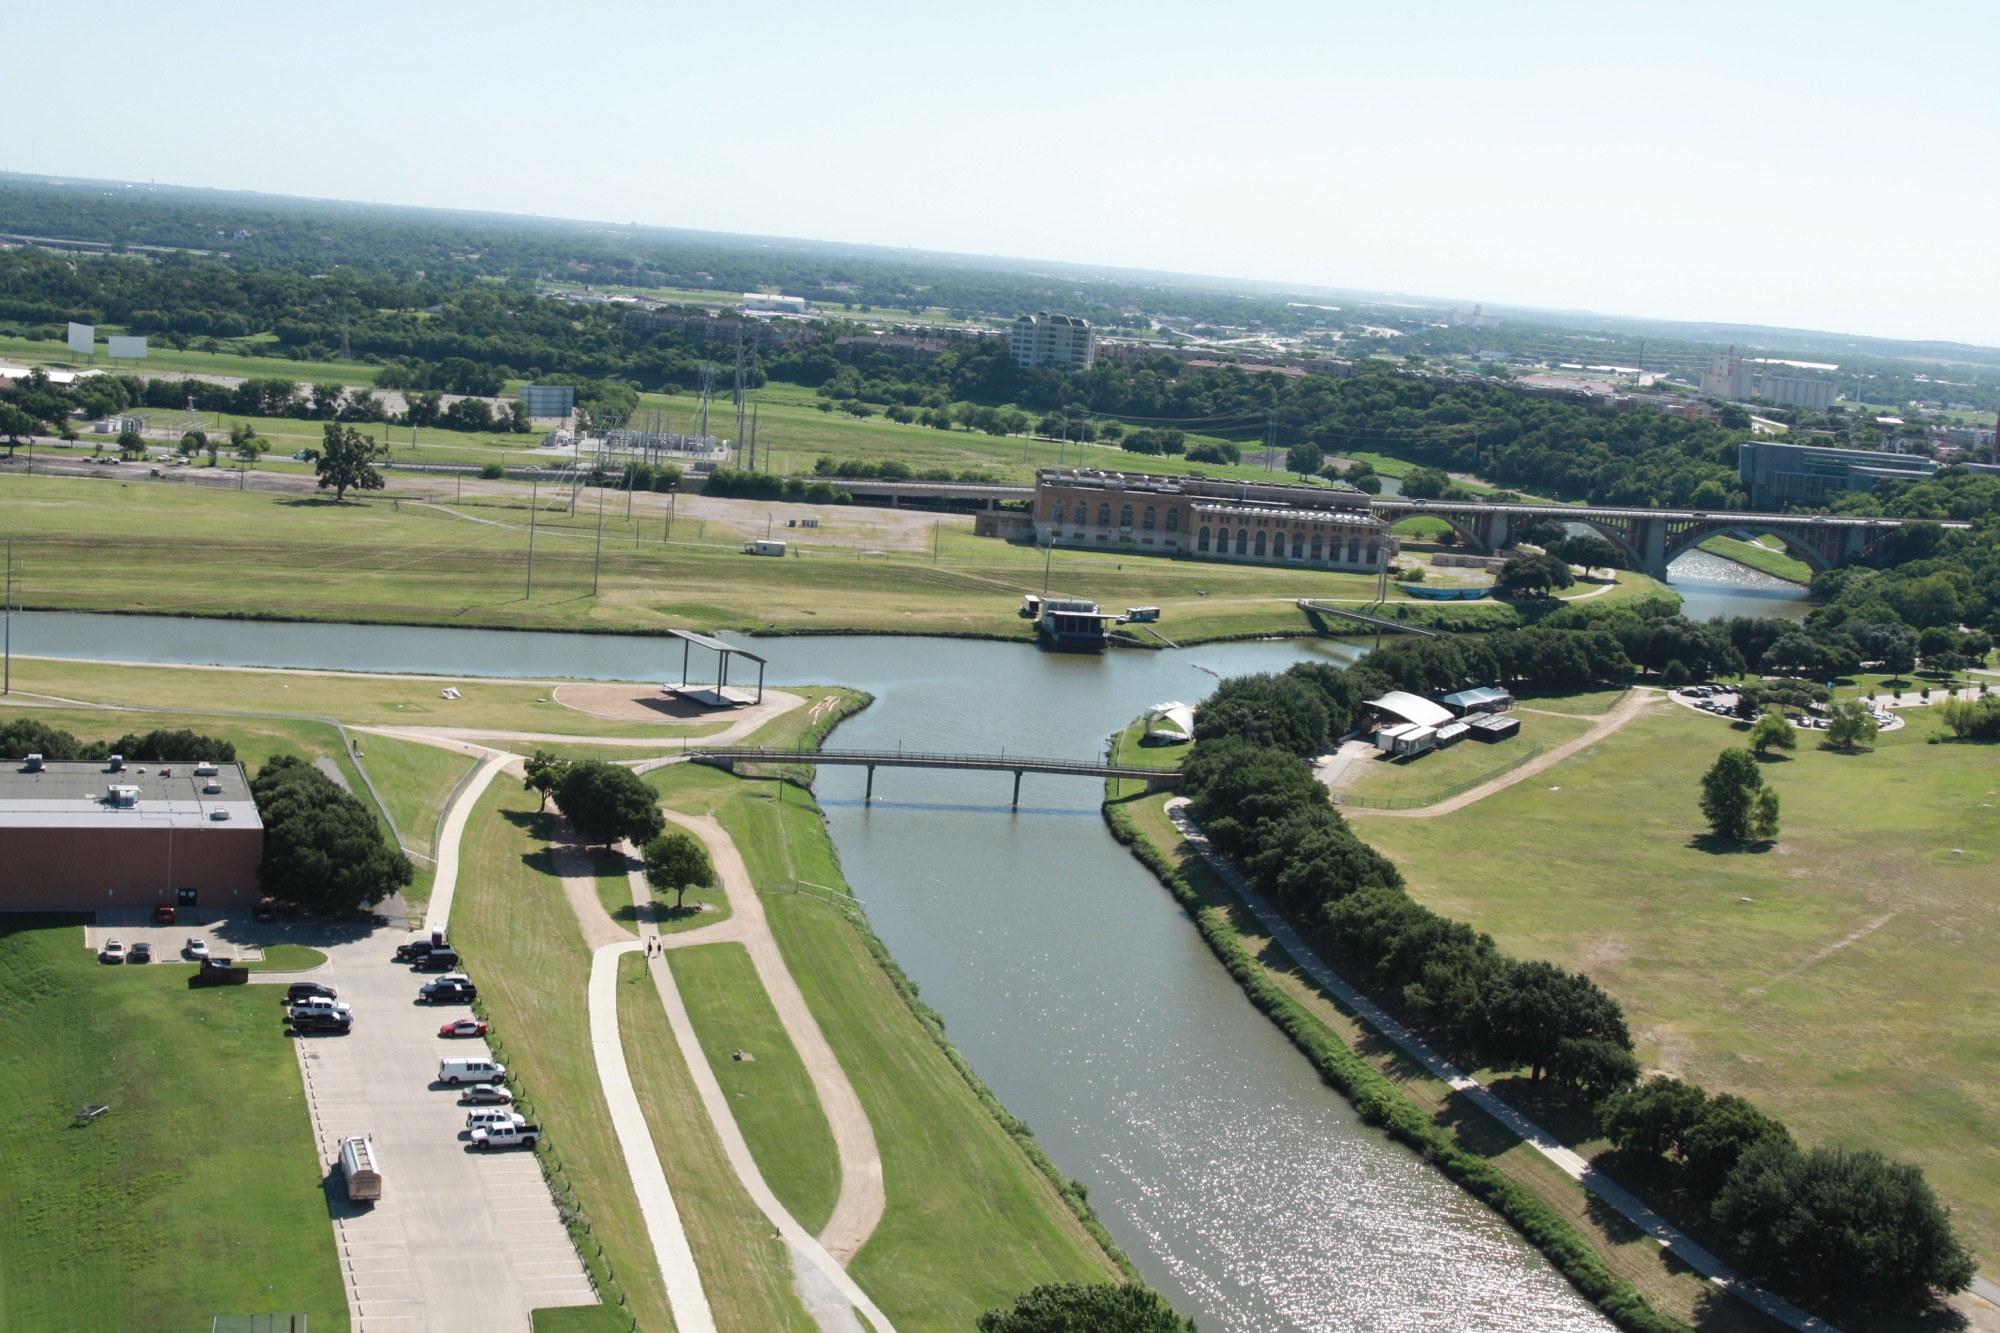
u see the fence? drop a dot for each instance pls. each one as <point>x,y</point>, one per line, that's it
<point>1456,789</point>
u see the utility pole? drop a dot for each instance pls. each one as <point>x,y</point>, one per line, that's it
<point>597,557</point>
<point>532,492</point>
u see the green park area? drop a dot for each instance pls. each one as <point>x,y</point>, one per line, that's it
<point>1838,978</point>
<point>158,548</point>
<point>197,1193</point>
<point>972,1221</point>
<point>1766,555</point>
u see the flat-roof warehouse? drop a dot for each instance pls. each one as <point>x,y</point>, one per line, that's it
<point>91,835</point>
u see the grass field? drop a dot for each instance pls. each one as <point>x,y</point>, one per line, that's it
<point>771,1094</point>
<point>414,780</point>
<point>745,1270</point>
<point>1766,556</point>
<point>1632,1254</point>
<point>970,1222</point>
<point>98,545</point>
<point>198,1193</point>
<point>510,911</point>
<point>1842,979</point>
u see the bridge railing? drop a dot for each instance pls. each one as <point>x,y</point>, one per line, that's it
<point>940,758</point>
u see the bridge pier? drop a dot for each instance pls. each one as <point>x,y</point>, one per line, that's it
<point>1017,789</point>
<point>1649,540</point>
<point>869,795</point>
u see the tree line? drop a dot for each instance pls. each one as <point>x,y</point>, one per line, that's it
<point>1831,1230</point>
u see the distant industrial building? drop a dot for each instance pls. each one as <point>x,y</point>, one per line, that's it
<point>1728,376</point>
<point>784,305</point>
<point>1782,476</point>
<point>548,400</point>
<point>88,836</point>
<point>1065,342</point>
<point>1320,527</point>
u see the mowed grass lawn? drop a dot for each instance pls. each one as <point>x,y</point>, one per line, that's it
<point>1418,776</point>
<point>1765,555</point>
<point>1843,979</point>
<point>970,1222</point>
<point>771,1093</point>
<point>198,1194</point>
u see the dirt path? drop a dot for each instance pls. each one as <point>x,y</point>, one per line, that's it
<point>1631,706</point>
<point>859,1207</point>
<point>729,735</point>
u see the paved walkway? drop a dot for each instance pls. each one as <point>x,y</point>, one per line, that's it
<point>445,883</point>
<point>830,1295</point>
<point>1624,711</point>
<point>859,1208</point>
<point>1543,1142</point>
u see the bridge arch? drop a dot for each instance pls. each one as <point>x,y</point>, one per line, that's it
<point>1795,546</point>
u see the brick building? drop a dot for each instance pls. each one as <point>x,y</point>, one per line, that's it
<point>1316,527</point>
<point>86,836</point>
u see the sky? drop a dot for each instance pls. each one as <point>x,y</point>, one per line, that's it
<point>1825,165</point>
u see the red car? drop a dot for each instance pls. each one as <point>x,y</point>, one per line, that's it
<point>464,1027</point>
<point>164,914</point>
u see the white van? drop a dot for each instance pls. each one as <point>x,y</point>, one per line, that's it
<point>456,1072</point>
<point>363,1172</point>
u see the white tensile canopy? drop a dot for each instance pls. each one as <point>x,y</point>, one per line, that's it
<point>1170,721</point>
<point>1412,708</point>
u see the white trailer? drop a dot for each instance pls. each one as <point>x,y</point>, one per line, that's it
<point>764,546</point>
<point>358,1163</point>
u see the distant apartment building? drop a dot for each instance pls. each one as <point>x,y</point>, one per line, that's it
<point>1781,476</point>
<point>548,400</point>
<point>1314,527</point>
<point>1065,342</point>
<point>1728,376</point>
<point>784,305</point>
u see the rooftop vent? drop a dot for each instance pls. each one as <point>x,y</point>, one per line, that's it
<point>117,763</point>
<point>34,763</point>
<point>122,797</point>
<point>218,813</point>
<point>212,787</point>
<point>205,769</point>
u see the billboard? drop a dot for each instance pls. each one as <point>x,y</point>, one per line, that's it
<point>83,338</point>
<point>135,348</point>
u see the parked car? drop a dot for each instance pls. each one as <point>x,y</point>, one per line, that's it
<point>142,952</point>
<point>438,960</point>
<point>307,990</point>
<point>464,1027</point>
<point>486,1094</point>
<point>320,1020</point>
<point>196,948</point>
<point>319,1005</point>
<point>449,990</point>
<point>165,914</point>
<point>493,1115</point>
<point>265,911</point>
<point>471,1069</point>
<point>412,950</point>
<point>112,952</point>
<point>506,1136</point>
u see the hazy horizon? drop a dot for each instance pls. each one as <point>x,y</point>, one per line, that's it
<point>1815,167</point>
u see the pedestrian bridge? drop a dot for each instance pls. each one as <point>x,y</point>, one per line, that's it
<point>730,756</point>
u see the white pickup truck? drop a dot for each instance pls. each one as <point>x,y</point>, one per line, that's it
<point>488,1116</point>
<point>506,1136</point>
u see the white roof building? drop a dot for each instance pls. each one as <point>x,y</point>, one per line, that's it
<point>1412,708</point>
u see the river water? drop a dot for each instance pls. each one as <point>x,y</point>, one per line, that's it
<point>1242,1186</point>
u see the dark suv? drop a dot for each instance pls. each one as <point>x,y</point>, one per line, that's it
<point>305,1020</point>
<point>413,950</point>
<point>450,990</point>
<point>439,960</point>
<point>306,990</point>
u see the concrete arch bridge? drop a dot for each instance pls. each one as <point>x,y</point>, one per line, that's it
<point>1652,538</point>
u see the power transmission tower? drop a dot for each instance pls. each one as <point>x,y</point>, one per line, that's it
<point>708,369</point>
<point>739,402</point>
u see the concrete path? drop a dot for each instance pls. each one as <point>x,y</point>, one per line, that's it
<point>445,882</point>
<point>859,1208</point>
<point>685,1294</point>
<point>1543,1142</point>
<point>1631,706</point>
<point>829,1294</point>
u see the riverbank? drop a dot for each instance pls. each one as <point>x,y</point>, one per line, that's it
<point>1755,555</point>
<point>1611,1263</point>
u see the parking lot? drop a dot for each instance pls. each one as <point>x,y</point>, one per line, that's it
<point>238,939</point>
<point>461,1240</point>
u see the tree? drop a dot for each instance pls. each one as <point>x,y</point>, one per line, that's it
<point>1674,674</point>
<point>1773,732</point>
<point>1593,1068</point>
<point>1850,725</point>
<point>1087,1307</point>
<point>1536,1007</point>
<point>675,863</point>
<point>1764,814</point>
<point>1840,1229</point>
<point>246,444</point>
<point>1588,551</point>
<point>347,460</point>
<point>1544,532</point>
<point>541,771</point>
<point>1303,460</point>
<point>322,847</point>
<point>1536,573</point>
<point>131,442</point>
<point>1729,793</point>
<point>1426,483</point>
<point>16,425</point>
<point>1727,1127</point>
<point>193,443</point>
<point>1655,1118</point>
<point>604,802</point>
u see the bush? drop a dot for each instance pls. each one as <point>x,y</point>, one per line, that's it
<point>1095,1307</point>
<point>493,471</point>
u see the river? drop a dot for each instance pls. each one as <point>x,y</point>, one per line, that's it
<point>1243,1187</point>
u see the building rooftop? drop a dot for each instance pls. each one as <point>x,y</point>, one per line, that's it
<point>65,794</point>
